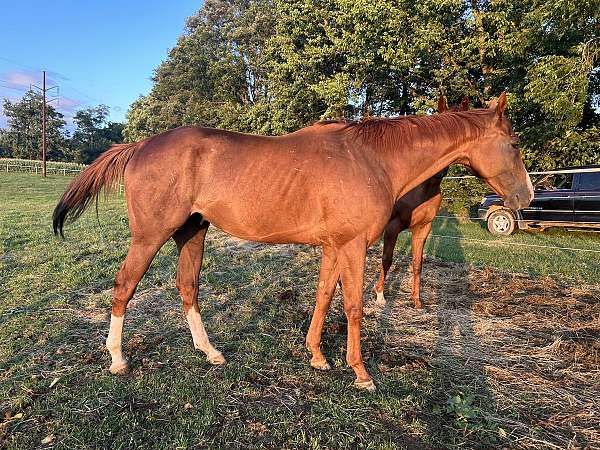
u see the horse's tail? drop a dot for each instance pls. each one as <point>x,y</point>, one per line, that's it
<point>104,173</point>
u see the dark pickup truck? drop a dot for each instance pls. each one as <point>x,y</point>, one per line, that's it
<point>570,198</point>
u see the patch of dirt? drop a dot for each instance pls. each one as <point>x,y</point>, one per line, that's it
<point>530,346</point>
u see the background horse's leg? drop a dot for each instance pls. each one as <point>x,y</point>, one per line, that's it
<point>328,277</point>
<point>352,267</point>
<point>190,243</point>
<point>390,236</point>
<point>419,236</point>
<point>136,263</point>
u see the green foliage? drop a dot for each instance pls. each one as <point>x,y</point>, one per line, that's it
<point>461,407</point>
<point>214,76</point>
<point>573,148</point>
<point>273,66</point>
<point>93,134</point>
<point>23,137</point>
<point>559,88</point>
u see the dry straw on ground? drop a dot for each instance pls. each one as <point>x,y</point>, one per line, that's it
<point>529,345</point>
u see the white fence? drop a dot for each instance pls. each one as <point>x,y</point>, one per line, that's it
<point>8,165</point>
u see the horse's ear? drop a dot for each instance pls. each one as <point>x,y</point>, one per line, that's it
<point>464,105</point>
<point>501,106</point>
<point>442,104</point>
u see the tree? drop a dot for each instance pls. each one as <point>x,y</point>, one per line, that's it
<point>93,135</point>
<point>214,76</point>
<point>273,66</point>
<point>22,138</point>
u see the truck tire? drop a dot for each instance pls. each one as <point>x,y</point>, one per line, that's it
<point>501,222</point>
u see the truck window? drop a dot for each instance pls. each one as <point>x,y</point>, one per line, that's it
<point>554,182</point>
<point>589,181</point>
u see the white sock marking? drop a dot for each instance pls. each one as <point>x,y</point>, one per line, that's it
<point>113,342</point>
<point>199,336</point>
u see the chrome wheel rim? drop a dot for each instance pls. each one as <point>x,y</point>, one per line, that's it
<point>501,224</point>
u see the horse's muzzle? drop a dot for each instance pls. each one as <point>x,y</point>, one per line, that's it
<point>519,200</point>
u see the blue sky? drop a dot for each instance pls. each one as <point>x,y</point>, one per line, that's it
<point>96,51</point>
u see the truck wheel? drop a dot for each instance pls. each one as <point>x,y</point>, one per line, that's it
<point>501,222</point>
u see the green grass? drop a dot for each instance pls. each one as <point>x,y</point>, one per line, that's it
<point>514,253</point>
<point>54,302</point>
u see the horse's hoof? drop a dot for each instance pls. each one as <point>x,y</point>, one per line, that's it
<point>366,385</point>
<point>320,364</point>
<point>121,368</point>
<point>418,305</point>
<point>216,359</point>
<point>380,298</point>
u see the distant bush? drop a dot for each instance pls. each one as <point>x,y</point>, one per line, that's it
<point>461,196</point>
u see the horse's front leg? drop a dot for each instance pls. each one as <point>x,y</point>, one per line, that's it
<point>328,277</point>
<point>419,236</point>
<point>351,259</point>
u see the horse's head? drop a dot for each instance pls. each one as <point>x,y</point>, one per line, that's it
<point>443,105</point>
<point>495,157</point>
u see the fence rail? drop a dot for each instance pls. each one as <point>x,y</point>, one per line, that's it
<point>546,172</point>
<point>31,166</point>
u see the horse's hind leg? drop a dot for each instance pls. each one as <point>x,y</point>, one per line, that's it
<point>190,242</point>
<point>140,255</point>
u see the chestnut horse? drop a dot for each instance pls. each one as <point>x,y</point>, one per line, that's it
<point>333,185</point>
<point>415,211</point>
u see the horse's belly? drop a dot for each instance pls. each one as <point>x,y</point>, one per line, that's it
<point>265,224</point>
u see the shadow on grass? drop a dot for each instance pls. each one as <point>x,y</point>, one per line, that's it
<point>457,397</point>
<point>460,390</point>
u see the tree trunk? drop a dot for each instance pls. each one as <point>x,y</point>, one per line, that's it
<point>485,69</point>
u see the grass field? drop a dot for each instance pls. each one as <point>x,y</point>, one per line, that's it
<point>500,357</point>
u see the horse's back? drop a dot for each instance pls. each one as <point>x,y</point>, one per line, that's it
<point>258,187</point>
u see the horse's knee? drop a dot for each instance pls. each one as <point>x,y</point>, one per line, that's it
<point>121,297</point>
<point>323,300</point>
<point>353,312</point>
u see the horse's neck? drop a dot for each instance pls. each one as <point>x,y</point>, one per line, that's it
<point>415,163</point>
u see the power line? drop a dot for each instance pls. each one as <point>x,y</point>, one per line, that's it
<point>12,61</point>
<point>14,88</point>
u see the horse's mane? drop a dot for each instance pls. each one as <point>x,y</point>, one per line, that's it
<point>454,126</point>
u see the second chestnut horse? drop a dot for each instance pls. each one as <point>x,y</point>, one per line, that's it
<point>415,211</point>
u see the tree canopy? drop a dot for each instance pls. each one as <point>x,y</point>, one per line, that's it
<point>272,66</point>
<point>93,134</point>
<point>22,137</point>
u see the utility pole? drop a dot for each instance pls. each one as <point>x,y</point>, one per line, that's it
<point>43,89</point>
<point>44,125</point>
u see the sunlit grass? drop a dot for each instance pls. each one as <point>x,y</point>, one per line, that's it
<point>54,302</point>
